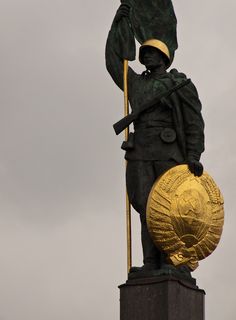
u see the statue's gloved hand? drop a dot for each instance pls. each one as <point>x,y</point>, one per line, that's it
<point>195,167</point>
<point>123,11</point>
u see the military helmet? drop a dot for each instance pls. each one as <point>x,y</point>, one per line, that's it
<point>158,44</point>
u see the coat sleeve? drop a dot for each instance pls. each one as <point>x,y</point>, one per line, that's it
<point>193,123</point>
<point>120,45</point>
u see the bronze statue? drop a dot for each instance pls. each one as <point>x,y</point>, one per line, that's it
<point>166,110</point>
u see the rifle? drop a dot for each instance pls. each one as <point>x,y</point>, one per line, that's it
<point>127,120</point>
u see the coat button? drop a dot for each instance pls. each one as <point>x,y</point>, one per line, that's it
<point>168,135</point>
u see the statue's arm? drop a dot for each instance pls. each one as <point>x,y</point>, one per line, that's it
<point>193,122</point>
<point>114,63</point>
<point>120,45</point>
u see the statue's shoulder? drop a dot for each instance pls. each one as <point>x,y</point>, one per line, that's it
<point>174,73</point>
<point>177,76</point>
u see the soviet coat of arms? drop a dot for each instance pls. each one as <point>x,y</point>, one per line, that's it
<point>185,216</point>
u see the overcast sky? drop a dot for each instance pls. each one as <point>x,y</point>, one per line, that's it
<point>62,221</point>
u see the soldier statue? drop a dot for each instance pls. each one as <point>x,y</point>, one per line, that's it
<point>167,133</point>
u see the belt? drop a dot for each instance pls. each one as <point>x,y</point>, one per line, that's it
<point>152,124</point>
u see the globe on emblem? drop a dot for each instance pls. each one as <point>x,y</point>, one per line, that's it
<point>185,216</point>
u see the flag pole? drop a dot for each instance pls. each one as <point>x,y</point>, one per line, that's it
<point>128,205</point>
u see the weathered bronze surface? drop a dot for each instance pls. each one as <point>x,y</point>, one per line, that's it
<point>185,216</point>
<point>168,131</point>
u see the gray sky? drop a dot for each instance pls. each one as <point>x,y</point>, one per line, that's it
<point>62,224</point>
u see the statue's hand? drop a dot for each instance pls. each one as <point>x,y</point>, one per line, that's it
<point>122,12</point>
<point>195,167</point>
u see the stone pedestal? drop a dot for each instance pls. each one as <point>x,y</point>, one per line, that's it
<point>161,298</point>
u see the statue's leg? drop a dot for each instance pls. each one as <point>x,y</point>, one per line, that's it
<point>161,167</point>
<point>140,177</point>
<point>152,257</point>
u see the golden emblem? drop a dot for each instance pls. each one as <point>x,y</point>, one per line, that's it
<point>185,216</point>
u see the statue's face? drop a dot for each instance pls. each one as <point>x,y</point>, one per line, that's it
<point>153,58</point>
